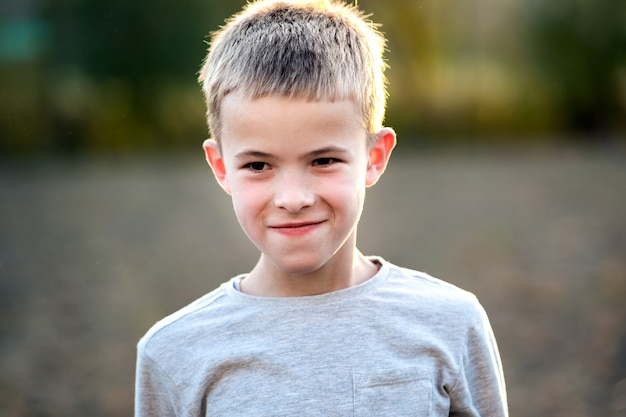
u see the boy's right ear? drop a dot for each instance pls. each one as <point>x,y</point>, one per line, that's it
<point>215,160</point>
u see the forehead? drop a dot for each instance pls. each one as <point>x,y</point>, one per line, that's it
<point>289,121</point>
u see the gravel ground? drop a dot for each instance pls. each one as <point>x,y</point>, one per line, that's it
<point>94,250</point>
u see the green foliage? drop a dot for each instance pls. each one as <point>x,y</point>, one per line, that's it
<point>578,49</point>
<point>110,74</point>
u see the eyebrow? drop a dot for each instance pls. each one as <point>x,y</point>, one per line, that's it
<point>328,149</point>
<point>251,153</point>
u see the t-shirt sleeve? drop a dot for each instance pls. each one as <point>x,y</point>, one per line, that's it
<point>153,389</point>
<point>480,388</point>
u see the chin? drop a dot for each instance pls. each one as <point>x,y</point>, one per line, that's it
<point>300,266</point>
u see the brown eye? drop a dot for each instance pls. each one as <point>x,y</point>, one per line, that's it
<point>324,161</point>
<point>256,166</point>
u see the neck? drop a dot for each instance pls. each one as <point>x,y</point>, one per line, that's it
<point>266,280</point>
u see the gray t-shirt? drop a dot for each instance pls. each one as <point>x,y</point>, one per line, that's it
<point>401,344</point>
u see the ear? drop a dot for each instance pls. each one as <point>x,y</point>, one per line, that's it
<point>379,155</point>
<point>215,160</point>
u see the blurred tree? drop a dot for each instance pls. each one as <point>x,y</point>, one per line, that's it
<point>110,74</point>
<point>578,50</point>
<point>116,61</point>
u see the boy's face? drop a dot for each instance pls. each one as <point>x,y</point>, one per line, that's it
<point>297,172</point>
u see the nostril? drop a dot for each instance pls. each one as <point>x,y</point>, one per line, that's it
<point>293,196</point>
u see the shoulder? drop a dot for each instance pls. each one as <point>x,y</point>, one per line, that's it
<point>449,312</point>
<point>431,293</point>
<point>178,327</point>
<point>422,283</point>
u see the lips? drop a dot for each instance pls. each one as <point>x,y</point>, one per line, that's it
<point>294,225</point>
<point>297,228</point>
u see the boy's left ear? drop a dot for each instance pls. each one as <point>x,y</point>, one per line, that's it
<point>379,155</point>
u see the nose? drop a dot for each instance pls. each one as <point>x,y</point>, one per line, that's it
<point>293,192</point>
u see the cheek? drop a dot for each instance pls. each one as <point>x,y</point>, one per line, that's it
<point>347,194</point>
<point>248,201</point>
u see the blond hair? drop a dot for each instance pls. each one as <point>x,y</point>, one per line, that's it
<point>314,50</point>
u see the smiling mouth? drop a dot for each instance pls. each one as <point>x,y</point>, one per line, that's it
<point>295,225</point>
<point>296,228</point>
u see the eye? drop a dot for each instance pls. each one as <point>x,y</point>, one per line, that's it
<point>324,161</point>
<point>256,166</point>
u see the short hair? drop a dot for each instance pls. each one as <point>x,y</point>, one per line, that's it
<point>314,50</point>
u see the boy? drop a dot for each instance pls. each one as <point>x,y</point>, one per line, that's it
<point>295,95</point>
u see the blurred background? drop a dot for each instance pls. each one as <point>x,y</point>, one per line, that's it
<point>508,181</point>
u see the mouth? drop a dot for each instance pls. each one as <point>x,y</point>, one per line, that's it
<point>298,228</point>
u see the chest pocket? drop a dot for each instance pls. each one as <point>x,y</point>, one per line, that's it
<point>393,393</point>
